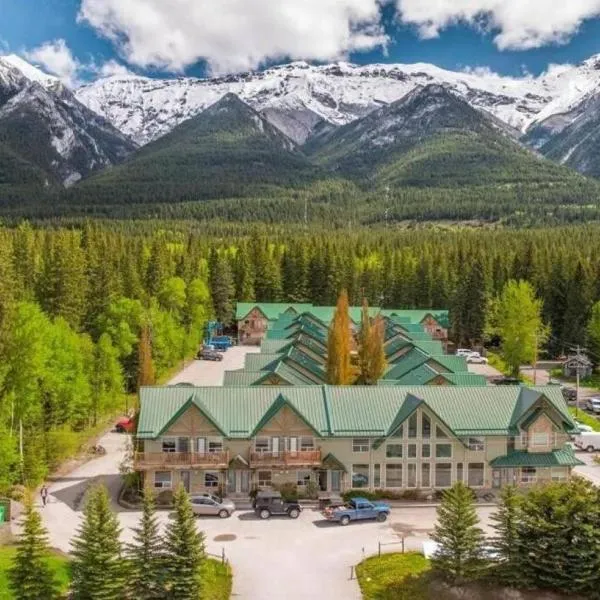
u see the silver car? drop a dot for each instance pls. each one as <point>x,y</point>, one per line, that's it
<point>208,504</point>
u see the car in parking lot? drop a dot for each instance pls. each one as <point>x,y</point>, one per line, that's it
<point>588,441</point>
<point>209,504</point>
<point>463,352</point>
<point>357,509</point>
<point>569,393</point>
<point>476,359</point>
<point>583,427</point>
<point>206,354</point>
<point>593,404</point>
<point>268,503</point>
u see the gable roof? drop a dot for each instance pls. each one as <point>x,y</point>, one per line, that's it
<point>346,411</point>
<point>558,458</point>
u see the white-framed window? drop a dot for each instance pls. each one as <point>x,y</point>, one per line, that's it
<point>201,445</point>
<point>163,480</point>
<point>211,479</point>
<point>439,432</point>
<point>459,472</point>
<point>425,450</point>
<point>425,426</point>
<point>412,426</point>
<point>215,445</point>
<point>303,477</point>
<point>307,443</point>
<point>169,445</point>
<point>528,475</point>
<point>411,451</point>
<point>377,475</point>
<point>360,476</point>
<point>411,475</point>
<point>360,445</point>
<point>393,450</point>
<point>540,439</point>
<point>443,475</point>
<point>558,474</point>
<point>265,478</point>
<point>262,444</point>
<point>399,432</point>
<point>443,450</point>
<point>393,476</point>
<point>476,444</point>
<point>475,474</point>
<point>425,475</point>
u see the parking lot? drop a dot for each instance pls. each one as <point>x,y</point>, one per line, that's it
<point>207,372</point>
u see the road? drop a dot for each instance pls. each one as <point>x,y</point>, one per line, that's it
<point>591,470</point>
<point>206,372</point>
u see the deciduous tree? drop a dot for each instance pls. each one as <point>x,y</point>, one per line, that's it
<point>340,370</point>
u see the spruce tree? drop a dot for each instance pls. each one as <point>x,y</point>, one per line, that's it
<point>505,542</point>
<point>340,370</point>
<point>145,364</point>
<point>31,577</point>
<point>98,571</point>
<point>459,556</point>
<point>146,555</point>
<point>184,551</point>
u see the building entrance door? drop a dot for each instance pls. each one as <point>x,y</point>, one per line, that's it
<point>323,481</point>
<point>238,481</point>
<point>185,479</point>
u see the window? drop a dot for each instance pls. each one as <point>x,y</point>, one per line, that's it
<point>360,445</point>
<point>307,443</point>
<point>262,444</point>
<point>183,444</point>
<point>475,474</point>
<point>412,426</point>
<point>443,475</point>
<point>377,475</point>
<point>528,475</point>
<point>162,480</point>
<point>540,439</point>
<point>411,475</point>
<point>393,476</point>
<point>201,445</point>
<point>399,432</point>
<point>264,478</point>
<point>425,475</point>
<point>393,451</point>
<point>440,433</point>
<point>476,444</point>
<point>510,445</point>
<point>360,476</point>
<point>211,479</point>
<point>443,450</point>
<point>459,472</point>
<point>411,451</point>
<point>303,477</point>
<point>215,446</point>
<point>559,474</point>
<point>425,426</point>
<point>169,445</point>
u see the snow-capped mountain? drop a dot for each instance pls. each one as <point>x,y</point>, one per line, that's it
<point>43,123</point>
<point>297,97</point>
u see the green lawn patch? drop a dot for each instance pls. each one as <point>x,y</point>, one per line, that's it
<point>217,580</point>
<point>394,577</point>
<point>584,418</point>
<point>58,561</point>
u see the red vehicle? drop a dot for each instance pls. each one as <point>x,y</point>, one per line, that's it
<point>125,425</point>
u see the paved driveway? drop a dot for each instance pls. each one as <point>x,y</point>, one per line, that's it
<point>486,370</point>
<point>207,372</point>
<point>590,470</point>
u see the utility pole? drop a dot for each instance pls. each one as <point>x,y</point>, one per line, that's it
<point>577,384</point>
<point>535,359</point>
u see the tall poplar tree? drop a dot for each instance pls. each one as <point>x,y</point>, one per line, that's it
<point>340,370</point>
<point>371,354</point>
<point>31,577</point>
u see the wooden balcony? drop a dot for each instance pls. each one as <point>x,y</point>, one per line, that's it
<point>180,460</point>
<point>301,458</point>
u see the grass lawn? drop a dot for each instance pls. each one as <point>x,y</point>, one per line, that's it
<point>58,561</point>
<point>584,418</point>
<point>217,580</point>
<point>394,577</point>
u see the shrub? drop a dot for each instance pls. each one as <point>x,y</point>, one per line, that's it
<point>288,491</point>
<point>164,498</point>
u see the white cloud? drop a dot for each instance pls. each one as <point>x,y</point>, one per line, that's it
<point>233,35</point>
<point>56,58</point>
<point>112,68</point>
<point>520,24</point>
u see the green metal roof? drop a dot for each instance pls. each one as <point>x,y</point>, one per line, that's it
<point>269,346</point>
<point>241,378</point>
<point>557,458</point>
<point>345,411</point>
<point>270,310</point>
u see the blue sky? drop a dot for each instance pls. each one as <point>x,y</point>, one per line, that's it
<point>154,37</point>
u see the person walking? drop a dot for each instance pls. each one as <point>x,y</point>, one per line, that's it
<point>44,495</point>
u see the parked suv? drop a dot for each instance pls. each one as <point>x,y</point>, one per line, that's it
<point>593,404</point>
<point>206,354</point>
<point>271,503</point>
<point>208,504</point>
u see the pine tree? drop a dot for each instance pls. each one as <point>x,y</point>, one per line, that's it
<point>146,555</point>
<point>221,286</point>
<point>505,542</point>
<point>340,370</point>
<point>184,548</point>
<point>459,556</point>
<point>593,334</point>
<point>145,364</point>
<point>31,577</point>
<point>98,571</point>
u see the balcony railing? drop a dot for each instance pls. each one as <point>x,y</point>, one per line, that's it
<point>159,460</point>
<point>286,458</point>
